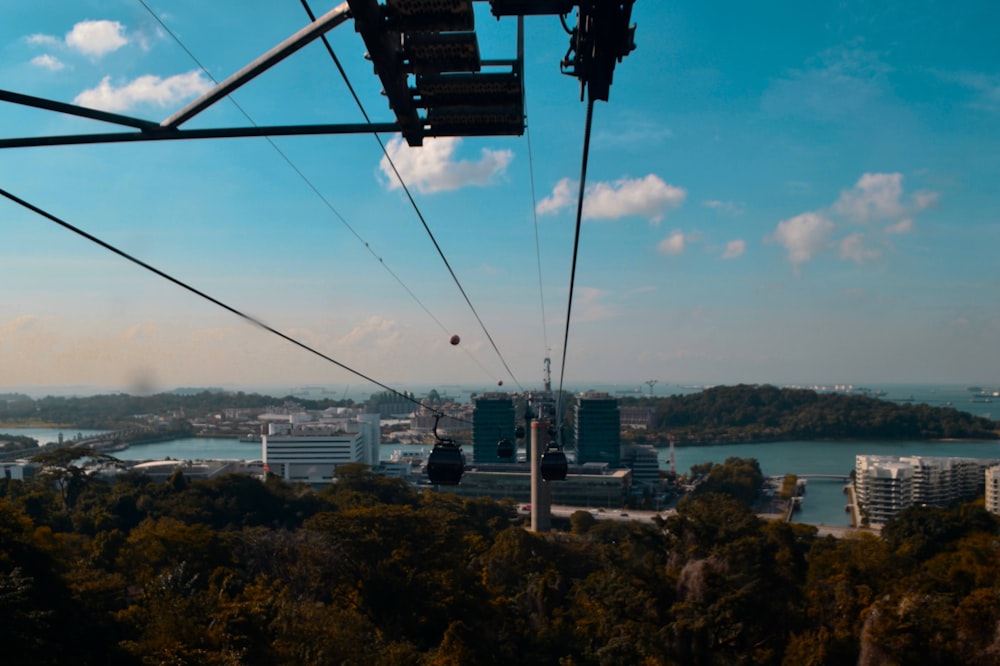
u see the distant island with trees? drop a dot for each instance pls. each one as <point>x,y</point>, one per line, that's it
<point>765,413</point>
<point>722,414</point>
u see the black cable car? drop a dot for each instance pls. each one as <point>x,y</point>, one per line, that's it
<point>505,448</point>
<point>445,464</point>
<point>554,466</point>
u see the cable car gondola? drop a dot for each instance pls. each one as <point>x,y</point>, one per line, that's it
<point>446,462</point>
<point>554,465</point>
<point>505,448</point>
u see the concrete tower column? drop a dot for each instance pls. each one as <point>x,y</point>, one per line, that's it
<point>541,492</point>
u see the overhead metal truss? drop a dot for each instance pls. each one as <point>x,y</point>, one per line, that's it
<point>431,43</point>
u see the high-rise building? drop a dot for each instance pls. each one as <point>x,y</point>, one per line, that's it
<point>492,420</point>
<point>598,429</point>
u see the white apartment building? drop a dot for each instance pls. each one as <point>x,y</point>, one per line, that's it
<point>888,484</point>
<point>993,489</point>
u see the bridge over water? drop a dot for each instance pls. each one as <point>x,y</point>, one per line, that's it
<point>827,477</point>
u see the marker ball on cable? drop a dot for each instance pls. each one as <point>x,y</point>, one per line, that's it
<point>455,339</point>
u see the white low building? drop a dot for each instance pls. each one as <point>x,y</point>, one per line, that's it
<point>311,454</point>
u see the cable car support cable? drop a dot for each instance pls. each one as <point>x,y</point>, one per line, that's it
<point>413,203</point>
<point>211,299</point>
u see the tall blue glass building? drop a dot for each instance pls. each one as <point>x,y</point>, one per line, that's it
<point>598,429</point>
<point>492,420</point>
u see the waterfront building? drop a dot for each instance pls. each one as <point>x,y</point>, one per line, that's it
<point>884,486</point>
<point>492,420</point>
<point>311,453</point>
<point>598,429</point>
<point>993,489</point>
<point>888,484</point>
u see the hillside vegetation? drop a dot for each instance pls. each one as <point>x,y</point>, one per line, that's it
<point>767,413</point>
<point>369,571</point>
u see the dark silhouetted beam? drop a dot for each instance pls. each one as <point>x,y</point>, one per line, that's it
<point>179,135</point>
<point>74,110</point>
<point>313,31</point>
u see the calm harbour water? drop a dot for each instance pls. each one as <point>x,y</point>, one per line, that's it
<point>824,502</point>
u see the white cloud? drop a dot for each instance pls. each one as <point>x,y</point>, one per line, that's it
<point>48,62</point>
<point>97,38</point>
<point>924,199</point>
<point>433,167</point>
<point>904,226</point>
<point>673,244</point>
<point>727,207</point>
<point>562,195</point>
<point>852,247</point>
<point>838,83</point>
<point>590,304</point>
<point>649,197</point>
<point>23,324</point>
<point>803,236</point>
<point>874,196</point>
<point>734,248</point>
<point>43,40</point>
<point>985,88</point>
<point>148,89</point>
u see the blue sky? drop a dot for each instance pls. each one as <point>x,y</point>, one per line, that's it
<point>788,193</point>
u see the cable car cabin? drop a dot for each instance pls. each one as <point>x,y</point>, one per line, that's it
<point>554,466</point>
<point>505,449</point>
<point>445,465</point>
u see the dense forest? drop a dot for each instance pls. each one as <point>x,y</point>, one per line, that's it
<point>369,571</point>
<point>767,413</point>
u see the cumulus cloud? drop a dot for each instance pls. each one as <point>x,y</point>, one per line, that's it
<point>97,38</point>
<point>42,40</point>
<point>648,197</point>
<point>22,324</point>
<point>148,89</point>
<point>48,62</point>
<point>673,244</point>
<point>852,247</point>
<point>374,332</point>
<point>904,226</point>
<point>727,207</point>
<point>734,248</point>
<point>561,197</point>
<point>803,236</point>
<point>876,198</point>
<point>433,167</point>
